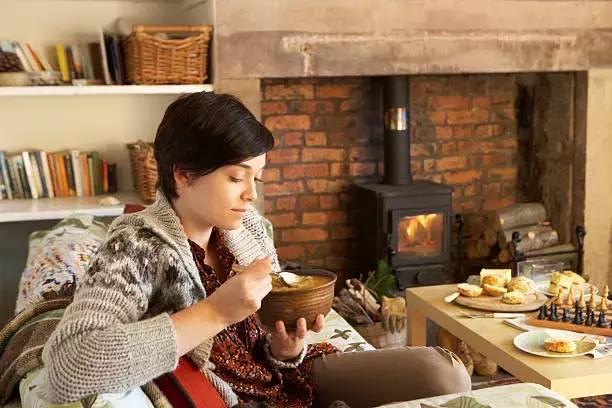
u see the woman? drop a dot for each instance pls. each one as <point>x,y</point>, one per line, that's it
<point>162,287</point>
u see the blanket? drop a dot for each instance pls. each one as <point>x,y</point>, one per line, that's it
<point>22,341</point>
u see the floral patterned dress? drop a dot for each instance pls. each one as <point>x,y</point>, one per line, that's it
<point>238,353</point>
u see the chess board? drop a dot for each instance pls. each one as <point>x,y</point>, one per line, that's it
<point>572,324</point>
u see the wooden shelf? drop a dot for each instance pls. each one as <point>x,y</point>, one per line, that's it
<point>61,207</point>
<point>103,90</point>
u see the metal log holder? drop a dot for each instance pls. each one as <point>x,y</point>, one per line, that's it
<point>517,256</point>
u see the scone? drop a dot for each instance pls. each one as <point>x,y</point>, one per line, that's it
<point>494,280</point>
<point>560,345</point>
<point>560,280</point>
<point>465,289</point>
<point>522,284</point>
<point>492,290</point>
<point>574,277</point>
<point>513,298</point>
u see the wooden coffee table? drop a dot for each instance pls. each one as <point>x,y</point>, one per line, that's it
<point>570,377</point>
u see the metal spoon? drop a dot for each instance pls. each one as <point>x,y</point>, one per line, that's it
<point>288,279</point>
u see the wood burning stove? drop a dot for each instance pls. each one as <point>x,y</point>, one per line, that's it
<point>405,222</point>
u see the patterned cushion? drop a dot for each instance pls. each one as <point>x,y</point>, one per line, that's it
<point>59,256</point>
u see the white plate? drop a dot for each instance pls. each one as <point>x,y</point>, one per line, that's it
<point>532,342</point>
<point>542,287</point>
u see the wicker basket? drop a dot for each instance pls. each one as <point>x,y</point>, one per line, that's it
<point>153,61</point>
<point>144,170</point>
<point>377,336</point>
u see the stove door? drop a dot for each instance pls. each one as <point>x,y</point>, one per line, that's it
<point>419,236</point>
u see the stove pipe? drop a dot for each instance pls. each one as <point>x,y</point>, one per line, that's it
<point>397,130</point>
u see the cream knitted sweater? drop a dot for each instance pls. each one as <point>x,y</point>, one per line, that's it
<point>117,333</point>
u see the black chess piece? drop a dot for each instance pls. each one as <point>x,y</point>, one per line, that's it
<point>589,319</point>
<point>542,315</point>
<point>553,314</point>
<point>578,319</point>
<point>588,310</point>
<point>566,315</point>
<point>601,322</point>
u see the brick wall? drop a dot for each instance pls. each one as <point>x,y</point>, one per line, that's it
<point>328,135</point>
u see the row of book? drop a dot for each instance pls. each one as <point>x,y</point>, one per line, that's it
<point>92,63</point>
<point>36,174</point>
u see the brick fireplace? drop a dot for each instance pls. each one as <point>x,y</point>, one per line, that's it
<point>464,131</point>
<point>509,103</point>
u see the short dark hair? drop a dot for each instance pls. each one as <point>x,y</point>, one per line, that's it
<point>203,131</point>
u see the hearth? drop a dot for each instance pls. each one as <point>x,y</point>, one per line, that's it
<point>403,221</point>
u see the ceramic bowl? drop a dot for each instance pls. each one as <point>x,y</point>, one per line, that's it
<point>289,305</point>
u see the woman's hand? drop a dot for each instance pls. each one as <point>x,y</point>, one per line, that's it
<point>288,345</point>
<point>240,296</point>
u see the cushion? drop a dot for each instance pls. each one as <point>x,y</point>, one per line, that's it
<point>58,257</point>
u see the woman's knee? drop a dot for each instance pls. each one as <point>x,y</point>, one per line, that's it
<point>454,377</point>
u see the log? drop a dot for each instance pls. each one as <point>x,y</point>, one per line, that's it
<point>540,240</point>
<point>474,225</point>
<point>518,215</point>
<point>483,248</point>
<point>504,255</point>
<point>471,250</point>
<point>490,236</point>
<point>552,250</point>
<point>504,237</point>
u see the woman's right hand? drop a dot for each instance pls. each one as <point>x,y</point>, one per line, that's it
<point>240,296</point>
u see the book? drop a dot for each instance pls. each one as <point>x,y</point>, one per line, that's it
<point>63,176</point>
<point>37,174</point>
<point>18,191</point>
<point>105,61</point>
<point>96,173</point>
<point>22,57</point>
<point>85,175</point>
<point>104,176</point>
<point>77,172</point>
<point>112,178</point>
<point>46,174</point>
<point>69,174</point>
<point>54,175</point>
<point>23,177</point>
<point>29,173</point>
<point>63,62</point>
<point>32,57</point>
<point>77,62</point>
<point>90,168</point>
<point>5,174</point>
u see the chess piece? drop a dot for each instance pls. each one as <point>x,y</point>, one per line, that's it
<point>566,316</point>
<point>581,301</point>
<point>569,301</point>
<point>604,299</point>
<point>589,318</point>
<point>592,301</point>
<point>543,314</point>
<point>559,298</point>
<point>553,313</point>
<point>578,319</point>
<point>601,322</point>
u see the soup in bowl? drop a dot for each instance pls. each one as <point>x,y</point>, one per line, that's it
<point>307,297</point>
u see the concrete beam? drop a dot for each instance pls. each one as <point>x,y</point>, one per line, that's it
<point>360,37</point>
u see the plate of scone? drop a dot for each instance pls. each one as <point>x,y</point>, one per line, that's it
<point>563,281</point>
<point>500,292</point>
<point>554,343</point>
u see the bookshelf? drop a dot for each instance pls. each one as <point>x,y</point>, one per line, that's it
<point>60,207</point>
<point>103,90</point>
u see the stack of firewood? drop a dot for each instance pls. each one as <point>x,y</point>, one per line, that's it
<point>490,235</point>
<point>357,304</point>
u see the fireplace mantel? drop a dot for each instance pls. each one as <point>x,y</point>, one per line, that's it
<point>390,37</point>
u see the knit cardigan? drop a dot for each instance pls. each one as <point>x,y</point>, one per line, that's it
<point>117,333</point>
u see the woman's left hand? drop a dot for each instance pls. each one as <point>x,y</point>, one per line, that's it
<point>288,345</point>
